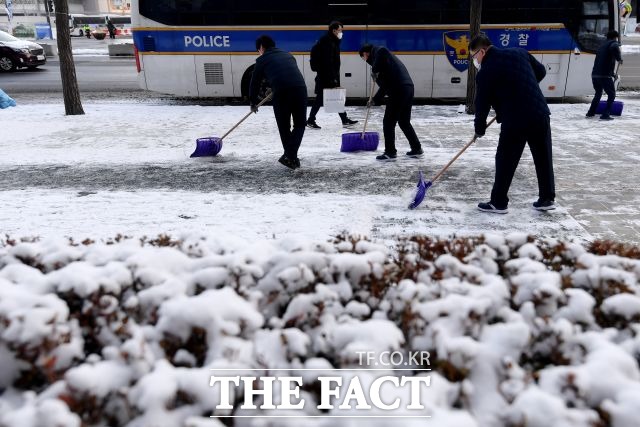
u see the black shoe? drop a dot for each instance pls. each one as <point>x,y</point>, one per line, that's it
<point>311,124</point>
<point>415,154</point>
<point>385,157</point>
<point>589,115</point>
<point>349,122</point>
<point>606,118</point>
<point>297,163</point>
<point>291,164</point>
<point>489,207</point>
<point>544,205</point>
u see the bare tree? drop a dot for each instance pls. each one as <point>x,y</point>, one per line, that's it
<point>474,28</point>
<point>70,91</point>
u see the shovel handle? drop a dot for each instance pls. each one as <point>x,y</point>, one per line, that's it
<point>366,120</point>
<point>444,169</point>
<point>265,99</point>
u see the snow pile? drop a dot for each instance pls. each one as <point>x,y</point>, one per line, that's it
<point>520,331</point>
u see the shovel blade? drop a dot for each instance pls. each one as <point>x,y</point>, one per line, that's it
<point>207,147</point>
<point>355,141</point>
<point>421,191</point>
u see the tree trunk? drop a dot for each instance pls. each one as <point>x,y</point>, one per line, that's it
<point>70,91</point>
<point>474,28</point>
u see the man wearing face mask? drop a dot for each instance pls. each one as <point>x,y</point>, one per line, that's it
<point>508,80</point>
<point>325,58</point>
<point>280,69</point>
<point>393,79</point>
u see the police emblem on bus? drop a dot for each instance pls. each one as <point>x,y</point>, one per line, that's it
<point>456,48</point>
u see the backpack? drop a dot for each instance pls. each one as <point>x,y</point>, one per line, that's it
<point>314,57</point>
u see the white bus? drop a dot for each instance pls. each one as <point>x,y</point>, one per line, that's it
<point>206,48</point>
<point>77,23</point>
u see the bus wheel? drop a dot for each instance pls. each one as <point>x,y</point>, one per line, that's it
<point>246,81</point>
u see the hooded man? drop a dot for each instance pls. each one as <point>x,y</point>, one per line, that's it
<point>326,61</point>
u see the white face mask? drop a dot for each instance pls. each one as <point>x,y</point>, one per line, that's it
<point>339,35</point>
<point>477,64</point>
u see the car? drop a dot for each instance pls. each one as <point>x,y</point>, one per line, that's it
<point>16,53</point>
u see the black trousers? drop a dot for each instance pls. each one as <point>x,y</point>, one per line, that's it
<point>399,112</point>
<point>510,147</point>
<point>316,107</point>
<point>602,84</point>
<point>291,103</point>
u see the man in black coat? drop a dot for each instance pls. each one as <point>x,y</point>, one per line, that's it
<point>326,61</point>
<point>508,80</point>
<point>394,79</point>
<point>111,28</point>
<point>603,76</point>
<point>281,71</point>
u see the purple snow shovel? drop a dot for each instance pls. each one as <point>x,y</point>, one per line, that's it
<point>423,186</point>
<point>211,146</point>
<point>361,141</point>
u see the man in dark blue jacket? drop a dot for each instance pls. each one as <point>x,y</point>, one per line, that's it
<point>326,62</point>
<point>508,80</point>
<point>394,79</point>
<point>603,76</point>
<point>281,71</point>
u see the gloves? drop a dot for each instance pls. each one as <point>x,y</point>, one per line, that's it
<point>480,128</point>
<point>369,103</point>
<point>254,108</point>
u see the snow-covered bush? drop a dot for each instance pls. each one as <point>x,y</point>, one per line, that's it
<point>521,332</point>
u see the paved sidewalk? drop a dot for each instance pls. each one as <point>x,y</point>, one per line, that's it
<point>124,168</point>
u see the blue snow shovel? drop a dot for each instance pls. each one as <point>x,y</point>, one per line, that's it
<point>361,141</point>
<point>423,186</point>
<point>211,146</point>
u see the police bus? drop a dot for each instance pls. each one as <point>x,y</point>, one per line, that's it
<point>206,48</point>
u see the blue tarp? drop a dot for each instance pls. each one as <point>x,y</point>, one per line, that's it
<point>6,101</point>
<point>43,31</point>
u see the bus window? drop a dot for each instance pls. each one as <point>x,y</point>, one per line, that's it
<point>596,20</point>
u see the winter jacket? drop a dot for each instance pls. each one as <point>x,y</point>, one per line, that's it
<point>606,58</point>
<point>508,81</point>
<point>328,63</point>
<point>279,68</point>
<point>390,71</point>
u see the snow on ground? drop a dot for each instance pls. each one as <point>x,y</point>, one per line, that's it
<point>630,49</point>
<point>522,332</point>
<point>125,169</point>
<point>91,52</point>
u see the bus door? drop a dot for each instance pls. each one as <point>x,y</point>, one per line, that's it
<point>556,63</point>
<point>354,72</point>
<point>588,32</point>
